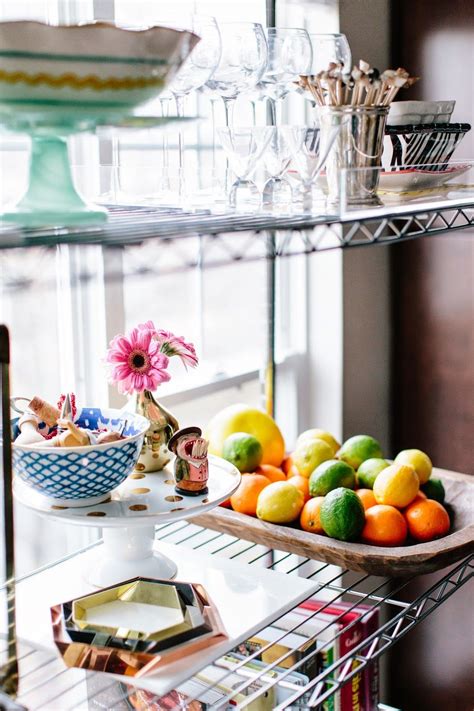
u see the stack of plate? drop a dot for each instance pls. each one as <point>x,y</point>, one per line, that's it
<point>135,627</point>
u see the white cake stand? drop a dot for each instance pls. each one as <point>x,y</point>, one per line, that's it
<point>128,520</point>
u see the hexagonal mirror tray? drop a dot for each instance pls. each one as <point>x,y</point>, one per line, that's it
<point>136,626</point>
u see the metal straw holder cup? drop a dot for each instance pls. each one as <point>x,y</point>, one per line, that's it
<point>358,146</point>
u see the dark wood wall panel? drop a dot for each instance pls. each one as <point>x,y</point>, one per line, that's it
<point>433,292</point>
<point>433,349</point>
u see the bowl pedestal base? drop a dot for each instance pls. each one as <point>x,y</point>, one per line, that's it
<point>126,553</point>
<point>51,198</point>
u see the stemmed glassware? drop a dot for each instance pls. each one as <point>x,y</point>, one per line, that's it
<point>242,62</point>
<point>195,72</point>
<point>289,55</point>
<point>310,155</point>
<point>243,148</point>
<point>330,48</point>
<point>279,148</point>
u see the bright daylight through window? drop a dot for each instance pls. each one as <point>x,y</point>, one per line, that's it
<point>70,320</point>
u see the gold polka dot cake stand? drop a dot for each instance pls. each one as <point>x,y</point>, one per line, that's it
<point>129,517</point>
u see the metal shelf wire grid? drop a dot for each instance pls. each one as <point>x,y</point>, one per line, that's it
<point>134,224</point>
<point>153,243</point>
<point>46,684</point>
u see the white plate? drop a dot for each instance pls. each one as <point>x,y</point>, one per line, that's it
<point>247,598</point>
<point>142,500</point>
<point>417,179</point>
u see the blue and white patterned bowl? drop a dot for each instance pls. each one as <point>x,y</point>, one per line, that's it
<point>83,476</point>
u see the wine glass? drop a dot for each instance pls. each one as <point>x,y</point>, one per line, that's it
<point>310,154</point>
<point>194,73</point>
<point>243,148</point>
<point>330,48</point>
<point>242,62</point>
<point>289,55</point>
<point>277,156</point>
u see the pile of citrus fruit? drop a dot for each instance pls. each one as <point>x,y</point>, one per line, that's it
<point>347,492</point>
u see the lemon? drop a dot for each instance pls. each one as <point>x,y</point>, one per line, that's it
<point>330,475</point>
<point>369,470</point>
<point>241,418</point>
<point>342,514</point>
<point>397,485</point>
<point>357,449</point>
<point>309,454</point>
<point>420,462</point>
<point>280,502</point>
<point>318,434</point>
<point>242,450</point>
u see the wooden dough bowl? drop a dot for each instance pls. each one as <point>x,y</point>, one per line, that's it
<point>416,559</point>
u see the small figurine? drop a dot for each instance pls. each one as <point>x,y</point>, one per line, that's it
<point>46,413</point>
<point>70,436</point>
<point>191,467</point>
<point>108,436</point>
<point>28,426</point>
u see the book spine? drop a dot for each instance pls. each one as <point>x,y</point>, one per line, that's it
<point>371,678</point>
<point>327,659</point>
<point>351,694</point>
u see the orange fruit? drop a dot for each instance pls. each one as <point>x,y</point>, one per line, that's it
<point>286,464</point>
<point>309,518</point>
<point>367,497</point>
<point>272,473</point>
<point>301,483</point>
<point>244,500</point>
<point>226,504</point>
<point>421,496</point>
<point>384,526</point>
<point>427,520</point>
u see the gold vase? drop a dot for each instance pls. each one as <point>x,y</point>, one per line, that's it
<point>155,453</point>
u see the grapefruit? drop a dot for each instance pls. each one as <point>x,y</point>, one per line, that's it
<point>242,418</point>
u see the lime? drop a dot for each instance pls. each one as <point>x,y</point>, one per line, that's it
<point>396,485</point>
<point>420,462</point>
<point>242,450</point>
<point>368,471</point>
<point>434,489</point>
<point>279,502</point>
<point>357,449</point>
<point>342,514</point>
<point>309,454</point>
<point>330,475</point>
<point>318,434</point>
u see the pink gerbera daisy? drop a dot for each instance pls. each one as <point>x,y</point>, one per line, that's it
<point>137,362</point>
<point>172,345</point>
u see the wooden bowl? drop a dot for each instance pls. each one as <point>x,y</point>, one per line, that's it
<point>416,559</point>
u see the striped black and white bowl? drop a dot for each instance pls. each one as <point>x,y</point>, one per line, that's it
<point>424,145</point>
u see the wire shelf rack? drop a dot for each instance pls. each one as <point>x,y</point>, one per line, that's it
<point>134,224</point>
<point>46,684</point>
<point>152,242</point>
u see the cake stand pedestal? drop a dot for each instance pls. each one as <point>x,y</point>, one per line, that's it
<point>51,198</point>
<point>129,518</point>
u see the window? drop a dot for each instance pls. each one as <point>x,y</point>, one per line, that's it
<point>60,324</point>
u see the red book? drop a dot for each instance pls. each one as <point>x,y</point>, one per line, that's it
<point>369,618</point>
<point>351,694</point>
